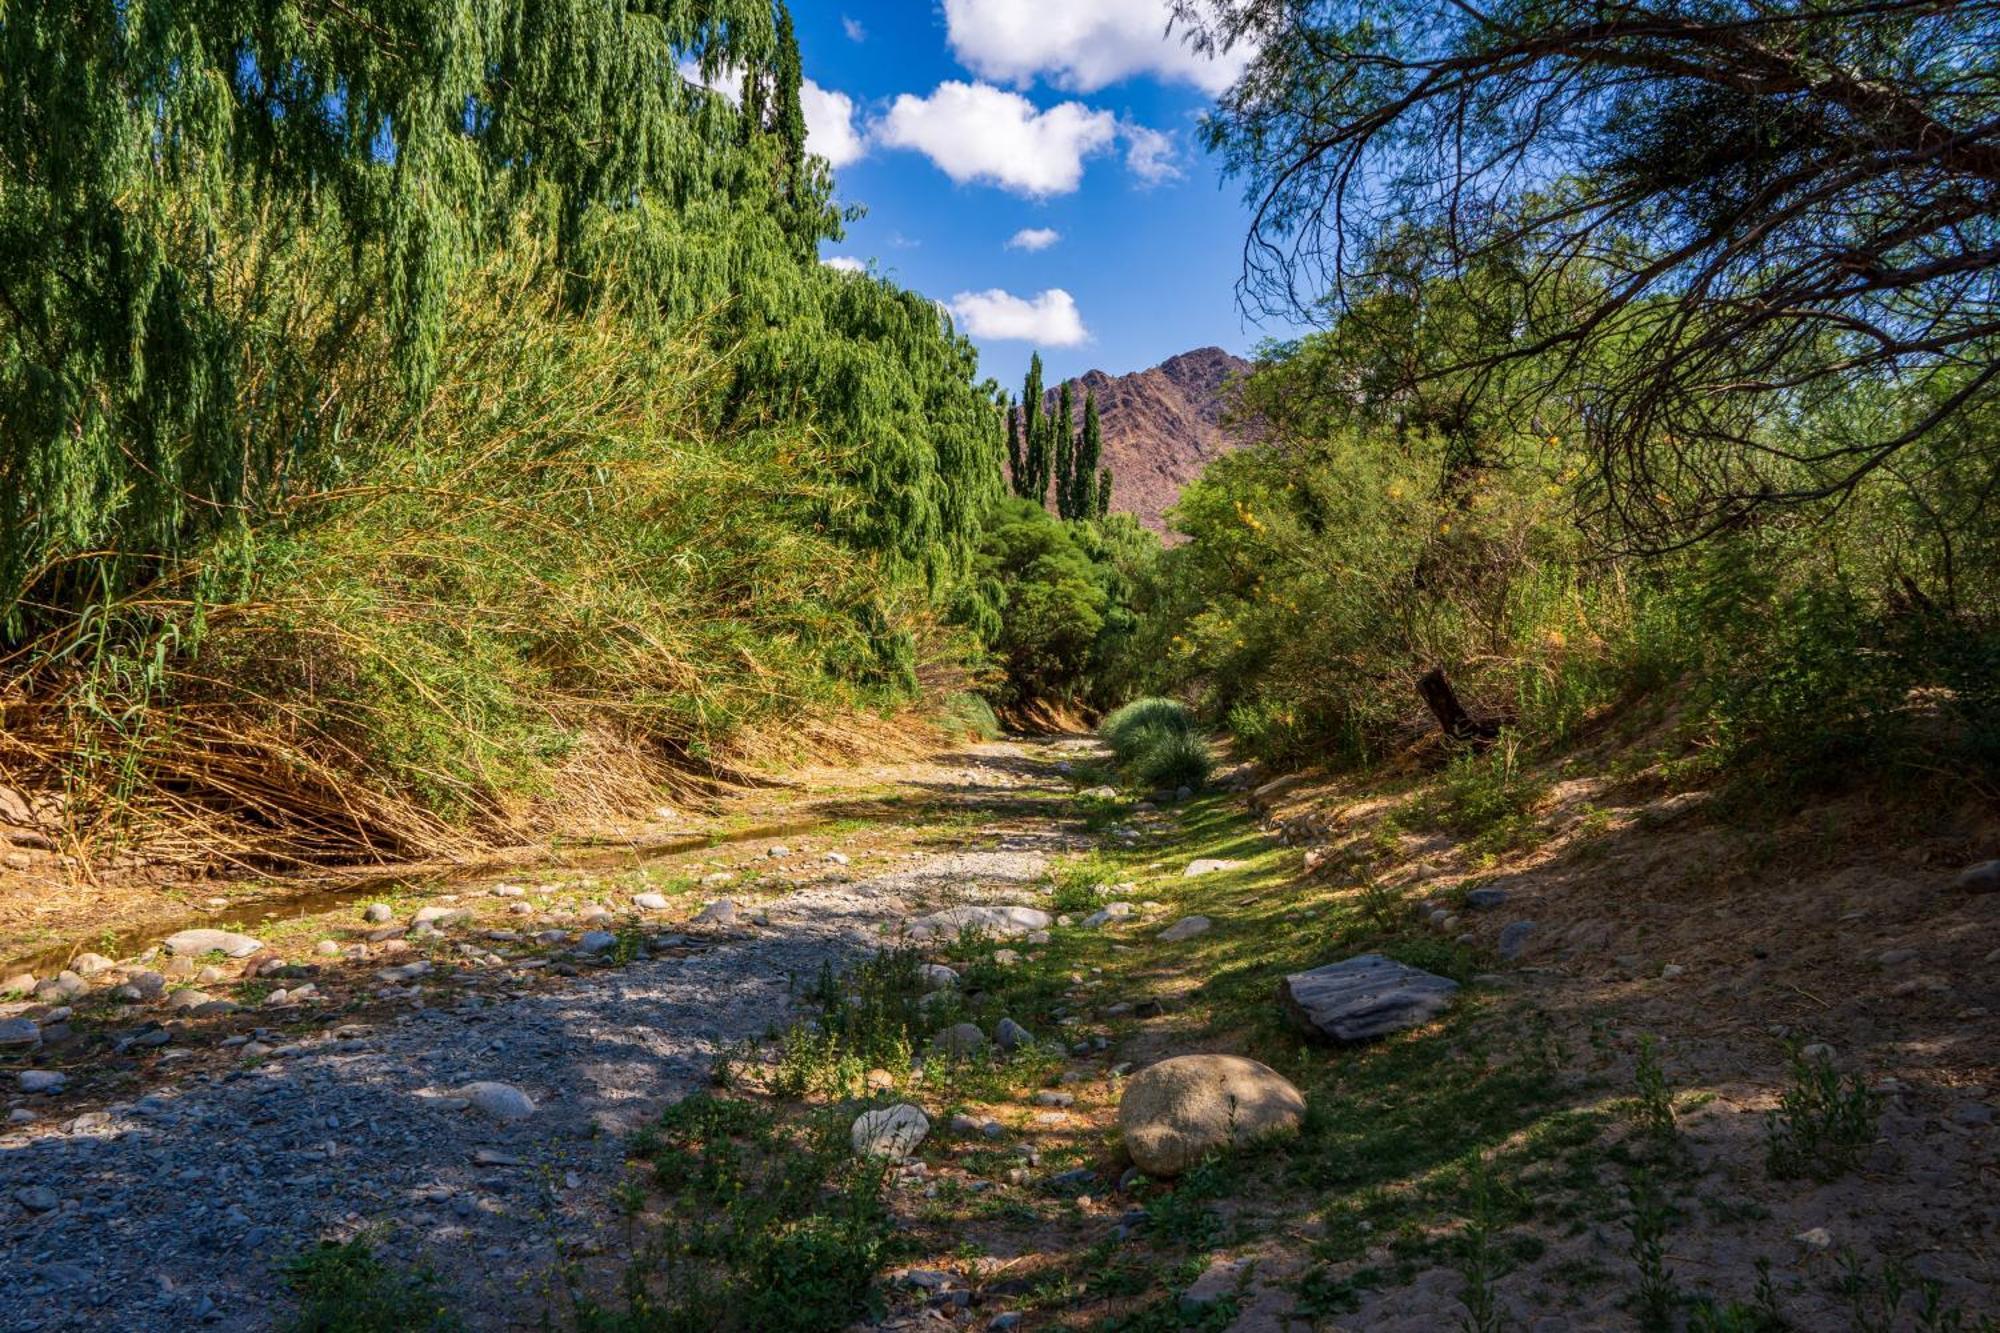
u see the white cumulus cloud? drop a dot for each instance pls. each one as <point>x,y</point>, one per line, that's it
<point>845,264</point>
<point>976,132</point>
<point>852,27</point>
<point>1151,155</point>
<point>830,127</point>
<point>1034,238</point>
<point>1050,320</point>
<point>1081,45</point>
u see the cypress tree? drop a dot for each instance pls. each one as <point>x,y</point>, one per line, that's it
<point>1034,434</point>
<point>1103,492</point>
<point>1089,456</point>
<point>1065,452</point>
<point>1016,461</point>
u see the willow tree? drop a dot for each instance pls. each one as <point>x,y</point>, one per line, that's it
<point>152,155</point>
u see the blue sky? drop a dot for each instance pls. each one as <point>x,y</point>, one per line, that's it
<point>961,124</point>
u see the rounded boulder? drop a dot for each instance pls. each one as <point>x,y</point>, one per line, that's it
<point>1179,1111</point>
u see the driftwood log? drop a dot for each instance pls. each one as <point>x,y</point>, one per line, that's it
<point>1443,702</point>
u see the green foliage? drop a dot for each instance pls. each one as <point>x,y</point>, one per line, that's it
<point>1127,729</point>
<point>458,408</point>
<point>1052,601</point>
<point>345,1289</point>
<point>769,1225</point>
<point>1156,744</point>
<point>1490,796</point>
<point>1825,1122</point>
<point>971,715</point>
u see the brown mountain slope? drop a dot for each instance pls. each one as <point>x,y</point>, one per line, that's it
<point>1163,426</point>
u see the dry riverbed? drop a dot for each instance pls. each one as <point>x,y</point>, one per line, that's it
<point>583,1105</point>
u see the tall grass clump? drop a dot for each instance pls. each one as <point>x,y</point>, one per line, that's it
<point>1155,743</point>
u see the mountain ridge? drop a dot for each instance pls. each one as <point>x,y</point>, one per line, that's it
<point>1163,425</point>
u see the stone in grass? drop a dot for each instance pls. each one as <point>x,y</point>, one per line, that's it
<point>891,1131</point>
<point>1108,913</point>
<point>90,964</point>
<point>1480,899</point>
<point>960,1039</point>
<point>651,902</point>
<point>723,913</point>
<point>1175,1113</point>
<point>502,1101</point>
<point>937,977</point>
<point>597,941</point>
<point>1006,922</point>
<point>438,917</point>
<point>227,943</point>
<point>1185,929</point>
<point>1364,997</point>
<point>1011,1036</point>
<point>1514,938</point>
<point>19,1032</point>
<point>377,913</point>
<point>22,983</point>
<point>1208,866</point>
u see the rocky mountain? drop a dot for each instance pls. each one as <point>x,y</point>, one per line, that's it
<point>1163,426</point>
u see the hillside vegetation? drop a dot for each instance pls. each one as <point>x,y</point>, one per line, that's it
<point>417,429</point>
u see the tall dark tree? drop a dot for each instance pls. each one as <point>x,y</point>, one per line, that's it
<point>1103,492</point>
<point>1034,435</point>
<point>1065,452</point>
<point>1084,501</point>
<point>797,189</point>
<point>1722,219</point>
<point>1016,458</point>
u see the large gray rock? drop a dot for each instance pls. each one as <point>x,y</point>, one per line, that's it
<point>723,913</point>
<point>16,1033</point>
<point>1178,1111</point>
<point>960,1039</point>
<point>937,977</point>
<point>1209,866</point>
<point>1982,878</point>
<point>1108,913</point>
<point>892,1131</point>
<point>1185,929</point>
<point>225,942</point>
<point>502,1101</point>
<point>1364,997</point>
<point>1005,922</point>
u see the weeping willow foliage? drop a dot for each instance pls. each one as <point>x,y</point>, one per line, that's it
<point>403,391</point>
<point>143,144</point>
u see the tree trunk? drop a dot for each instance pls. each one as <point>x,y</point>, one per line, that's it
<point>1450,713</point>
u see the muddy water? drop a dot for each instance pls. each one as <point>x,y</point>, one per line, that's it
<point>302,898</point>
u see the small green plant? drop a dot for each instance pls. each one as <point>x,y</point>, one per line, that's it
<point>1875,1301</point>
<point>1490,797</point>
<point>1480,1264</point>
<point>345,1289</point>
<point>1655,1297</point>
<point>1656,1099</point>
<point>1825,1122</point>
<point>1761,1315</point>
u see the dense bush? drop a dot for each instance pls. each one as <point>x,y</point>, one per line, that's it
<point>1328,568</point>
<point>502,444</point>
<point>1156,743</point>
<point>1052,601</point>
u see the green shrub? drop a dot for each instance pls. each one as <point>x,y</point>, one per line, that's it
<point>1139,724</point>
<point>346,1289</point>
<point>970,715</point>
<point>1172,760</point>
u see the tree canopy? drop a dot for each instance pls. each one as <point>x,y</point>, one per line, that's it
<point>1708,220</point>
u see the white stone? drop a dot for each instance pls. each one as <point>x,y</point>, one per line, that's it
<point>502,1101</point>
<point>228,943</point>
<point>891,1131</point>
<point>1185,929</point>
<point>1208,866</point>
